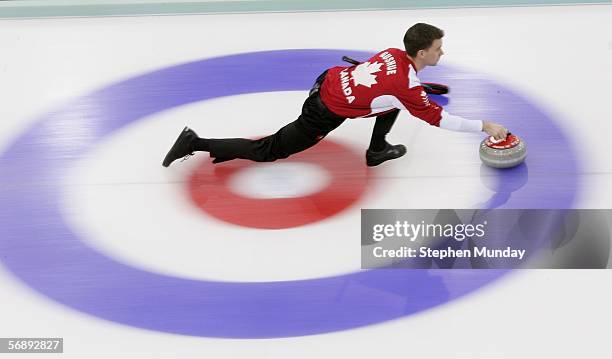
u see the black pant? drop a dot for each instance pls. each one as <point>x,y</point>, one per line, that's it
<point>315,122</point>
<point>382,126</point>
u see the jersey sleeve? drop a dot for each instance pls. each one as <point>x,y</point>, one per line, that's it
<point>416,101</point>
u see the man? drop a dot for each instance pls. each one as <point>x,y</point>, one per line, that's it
<point>381,87</point>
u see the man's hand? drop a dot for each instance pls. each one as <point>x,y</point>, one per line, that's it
<point>496,130</point>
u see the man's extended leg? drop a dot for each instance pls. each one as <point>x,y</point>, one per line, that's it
<point>380,150</point>
<point>288,140</point>
<point>315,122</point>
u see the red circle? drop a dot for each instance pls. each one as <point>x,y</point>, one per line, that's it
<point>209,190</point>
<point>511,141</point>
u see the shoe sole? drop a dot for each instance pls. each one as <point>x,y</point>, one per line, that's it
<point>167,161</point>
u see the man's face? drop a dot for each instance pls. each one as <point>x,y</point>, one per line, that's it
<point>432,55</point>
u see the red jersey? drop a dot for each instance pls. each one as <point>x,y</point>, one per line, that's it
<point>385,82</point>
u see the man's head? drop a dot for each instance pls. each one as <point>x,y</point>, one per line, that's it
<point>423,43</point>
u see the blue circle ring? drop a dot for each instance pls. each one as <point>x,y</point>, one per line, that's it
<point>40,249</point>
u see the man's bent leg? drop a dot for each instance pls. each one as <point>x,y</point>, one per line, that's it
<point>382,126</point>
<point>380,150</point>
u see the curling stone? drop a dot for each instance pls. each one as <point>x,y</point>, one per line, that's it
<point>506,153</point>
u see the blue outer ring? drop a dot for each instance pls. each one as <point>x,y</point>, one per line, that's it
<point>41,250</point>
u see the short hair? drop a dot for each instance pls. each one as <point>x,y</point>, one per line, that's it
<point>420,37</point>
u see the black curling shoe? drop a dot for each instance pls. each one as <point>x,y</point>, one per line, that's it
<point>183,146</point>
<point>390,152</point>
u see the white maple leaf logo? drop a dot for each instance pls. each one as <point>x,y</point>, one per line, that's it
<point>362,75</point>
